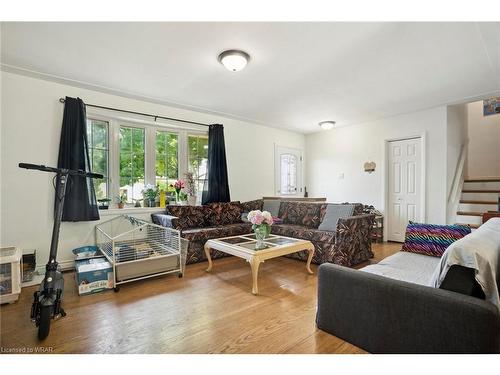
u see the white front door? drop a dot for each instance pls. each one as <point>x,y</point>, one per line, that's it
<point>404,182</point>
<point>288,171</point>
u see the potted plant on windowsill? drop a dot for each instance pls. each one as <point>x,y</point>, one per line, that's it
<point>104,203</point>
<point>150,193</point>
<point>178,186</point>
<point>121,199</point>
<point>183,199</point>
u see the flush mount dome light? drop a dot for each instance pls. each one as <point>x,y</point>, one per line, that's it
<point>327,125</point>
<point>234,60</point>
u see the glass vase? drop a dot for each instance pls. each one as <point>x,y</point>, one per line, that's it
<point>260,236</point>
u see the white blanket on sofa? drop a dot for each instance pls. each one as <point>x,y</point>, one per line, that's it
<point>479,250</point>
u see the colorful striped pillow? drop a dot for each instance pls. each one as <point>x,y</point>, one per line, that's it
<point>431,239</point>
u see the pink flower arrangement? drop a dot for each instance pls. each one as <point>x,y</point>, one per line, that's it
<point>179,185</point>
<point>258,217</point>
<point>261,225</point>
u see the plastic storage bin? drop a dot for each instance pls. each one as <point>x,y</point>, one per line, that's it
<point>10,274</point>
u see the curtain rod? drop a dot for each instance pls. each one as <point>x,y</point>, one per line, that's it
<point>62,100</point>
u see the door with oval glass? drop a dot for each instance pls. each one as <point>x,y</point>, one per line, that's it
<point>404,186</point>
<point>288,171</point>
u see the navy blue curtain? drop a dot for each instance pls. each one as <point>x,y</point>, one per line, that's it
<point>216,187</point>
<point>80,201</point>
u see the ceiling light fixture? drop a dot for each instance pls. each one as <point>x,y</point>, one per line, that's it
<point>234,60</point>
<point>327,125</point>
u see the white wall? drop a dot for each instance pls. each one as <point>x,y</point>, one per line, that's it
<point>346,149</point>
<point>31,123</point>
<point>484,142</point>
<point>456,130</point>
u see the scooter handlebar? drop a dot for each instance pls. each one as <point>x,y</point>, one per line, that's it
<point>73,172</point>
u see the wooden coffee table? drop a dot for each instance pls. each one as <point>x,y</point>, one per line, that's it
<point>244,247</point>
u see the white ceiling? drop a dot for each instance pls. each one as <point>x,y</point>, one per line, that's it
<point>299,73</point>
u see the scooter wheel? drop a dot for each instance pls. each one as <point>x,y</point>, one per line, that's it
<point>44,322</point>
<point>179,275</point>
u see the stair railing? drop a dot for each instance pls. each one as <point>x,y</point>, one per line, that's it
<point>457,184</point>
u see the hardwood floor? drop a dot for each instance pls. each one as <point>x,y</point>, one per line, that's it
<point>200,313</point>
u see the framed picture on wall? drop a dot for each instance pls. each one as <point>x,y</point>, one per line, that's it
<point>491,106</point>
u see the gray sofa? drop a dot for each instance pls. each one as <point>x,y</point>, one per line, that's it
<point>390,307</point>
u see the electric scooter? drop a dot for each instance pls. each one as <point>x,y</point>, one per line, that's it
<point>47,301</point>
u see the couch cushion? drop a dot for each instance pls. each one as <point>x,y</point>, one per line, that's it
<point>431,239</point>
<point>480,251</point>
<point>256,204</point>
<point>189,216</point>
<point>303,233</point>
<point>404,266</point>
<point>272,206</point>
<point>300,213</point>
<point>225,213</point>
<point>209,233</point>
<point>333,213</point>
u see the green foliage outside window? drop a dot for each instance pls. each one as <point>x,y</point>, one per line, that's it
<point>166,164</point>
<point>131,156</point>
<point>197,159</point>
<point>97,136</point>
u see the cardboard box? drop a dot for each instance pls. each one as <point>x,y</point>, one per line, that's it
<point>93,275</point>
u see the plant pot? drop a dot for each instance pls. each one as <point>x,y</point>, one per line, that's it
<point>121,205</point>
<point>261,232</point>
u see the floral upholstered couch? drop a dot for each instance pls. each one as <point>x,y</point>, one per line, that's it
<point>350,244</point>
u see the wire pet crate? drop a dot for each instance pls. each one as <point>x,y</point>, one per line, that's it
<point>138,249</point>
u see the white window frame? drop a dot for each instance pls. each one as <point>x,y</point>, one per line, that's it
<point>108,185</point>
<point>150,127</point>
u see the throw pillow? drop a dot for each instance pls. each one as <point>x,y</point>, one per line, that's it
<point>332,215</point>
<point>432,239</point>
<point>225,213</point>
<point>300,213</point>
<point>189,216</point>
<point>273,206</point>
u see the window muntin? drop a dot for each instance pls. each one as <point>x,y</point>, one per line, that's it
<point>166,158</point>
<point>132,162</point>
<point>98,144</point>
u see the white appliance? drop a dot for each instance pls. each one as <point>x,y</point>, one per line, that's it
<point>10,274</point>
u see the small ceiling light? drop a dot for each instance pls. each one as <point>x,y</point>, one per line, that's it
<point>327,125</point>
<point>234,60</point>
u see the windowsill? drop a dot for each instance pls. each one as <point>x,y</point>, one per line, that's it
<point>130,210</point>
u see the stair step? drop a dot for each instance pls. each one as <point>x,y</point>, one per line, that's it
<point>482,179</point>
<point>475,226</point>
<point>471,201</point>
<point>470,213</point>
<point>480,191</point>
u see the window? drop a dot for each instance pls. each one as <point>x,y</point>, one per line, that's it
<point>167,159</point>
<point>132,155</point>
<point>197,160</point>
<point>98,143</point>
<point>288,174</point>
<point>288,170</point>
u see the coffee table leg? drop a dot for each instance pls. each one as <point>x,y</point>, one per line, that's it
<point>254,264</point>
<point>207,253</point>
<point>308,264</point>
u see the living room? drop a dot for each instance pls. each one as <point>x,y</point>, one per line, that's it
<point>231,182</point>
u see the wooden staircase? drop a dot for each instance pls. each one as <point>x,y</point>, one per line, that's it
<point>478,196</point>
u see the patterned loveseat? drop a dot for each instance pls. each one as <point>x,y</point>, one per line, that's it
<point>350,244</point>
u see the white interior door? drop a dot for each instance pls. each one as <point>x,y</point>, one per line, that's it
<point>404,182</point>
<point>288,171</point>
